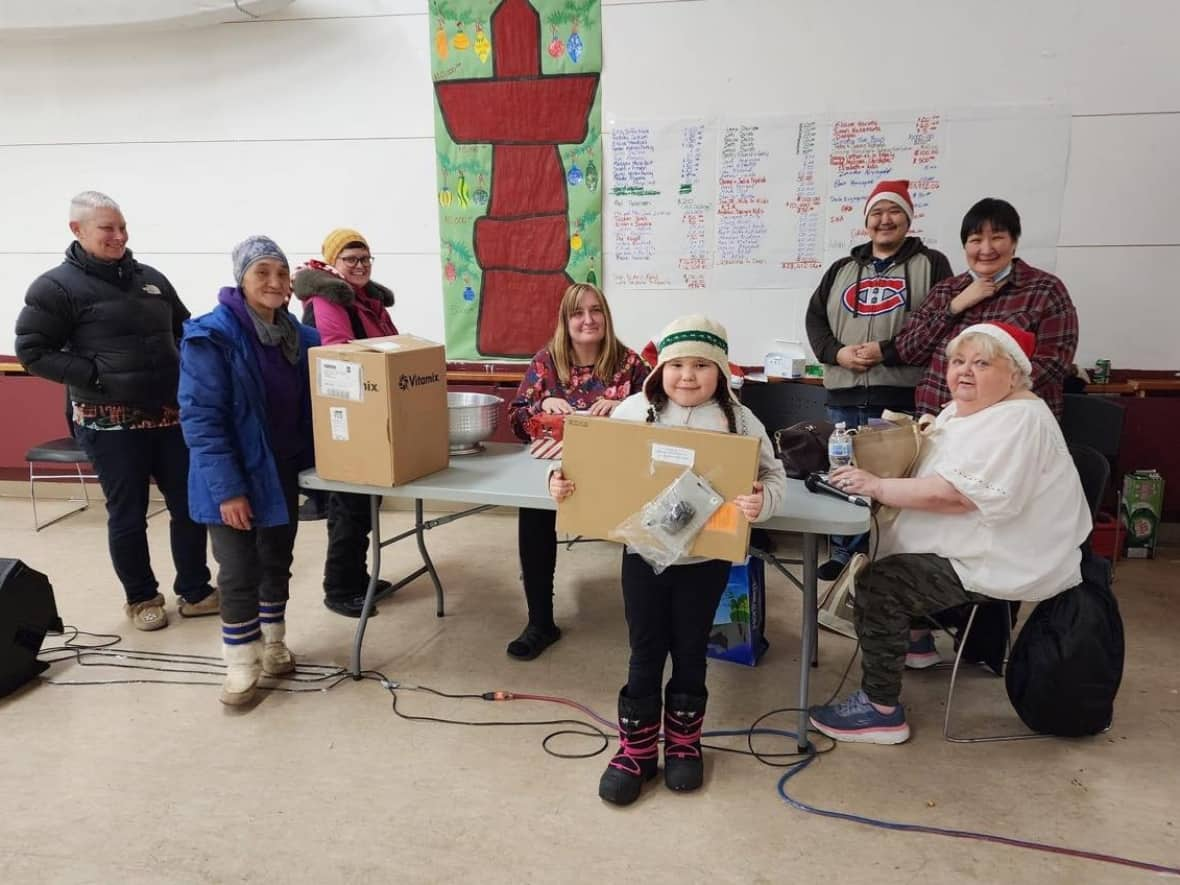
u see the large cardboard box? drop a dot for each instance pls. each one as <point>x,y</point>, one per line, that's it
<point>1143,503</point>
<point>740,621</point>
<point>379,408</point>
<point>618,466</point>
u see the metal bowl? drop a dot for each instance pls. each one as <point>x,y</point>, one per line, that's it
<point>473,418</point>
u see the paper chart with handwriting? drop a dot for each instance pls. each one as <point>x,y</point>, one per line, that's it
<point>791,190</point>
<point>660,205</point>
<point>770,203</point>
<point>862,151</point>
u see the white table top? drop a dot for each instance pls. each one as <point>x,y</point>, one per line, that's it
<point>505,475</point>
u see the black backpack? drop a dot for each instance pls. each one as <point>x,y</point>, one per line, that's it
<point>1067,663</point>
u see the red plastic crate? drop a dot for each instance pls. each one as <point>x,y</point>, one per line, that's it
<point>1107,537</point>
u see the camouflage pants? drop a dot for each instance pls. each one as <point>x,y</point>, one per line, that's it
<point>892,595</point>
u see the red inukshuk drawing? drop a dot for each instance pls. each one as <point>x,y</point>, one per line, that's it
<point>523,243</point>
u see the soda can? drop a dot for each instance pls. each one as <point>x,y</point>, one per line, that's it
<point>1101,374</point>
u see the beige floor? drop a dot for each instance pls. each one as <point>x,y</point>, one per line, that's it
<point>160,783</point>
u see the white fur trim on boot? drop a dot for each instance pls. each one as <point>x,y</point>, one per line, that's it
<point>242,669</point>
<point>277,659</point>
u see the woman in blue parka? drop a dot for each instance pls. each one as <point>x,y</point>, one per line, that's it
<point>245,409</point>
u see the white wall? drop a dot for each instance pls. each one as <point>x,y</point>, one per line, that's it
<point>321,117</point>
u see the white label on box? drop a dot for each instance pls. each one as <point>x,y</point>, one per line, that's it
<point>672,454</point>
<point>338,418</point>
<point>339,379</point>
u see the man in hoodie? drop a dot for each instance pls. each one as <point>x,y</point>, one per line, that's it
<point>856,312</point>
<point>343,303</point>
<point>107,327</point>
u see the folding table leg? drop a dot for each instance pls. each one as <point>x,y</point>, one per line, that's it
<point>419,531</point>
<point>810,631</point>
<point>374,575</point>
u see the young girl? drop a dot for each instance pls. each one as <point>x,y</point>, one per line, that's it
<point>245,409</point>
<point>671,613</point>
<point>583,368</point>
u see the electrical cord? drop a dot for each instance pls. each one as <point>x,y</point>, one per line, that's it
<point>796,768</point>
<point>101,654</point>
<point>583,729</point>
<point>326,677</point>
<point>897,826</point>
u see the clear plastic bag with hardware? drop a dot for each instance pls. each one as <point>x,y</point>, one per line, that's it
<point>665,528</point>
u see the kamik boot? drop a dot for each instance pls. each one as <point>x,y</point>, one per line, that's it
<point>638,758</point>
<point>277,659</point>
<point>684,715</point>
<point>242,647</point>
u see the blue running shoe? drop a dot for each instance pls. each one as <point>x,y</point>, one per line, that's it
<point>855,719</point>
<point>922,654</point>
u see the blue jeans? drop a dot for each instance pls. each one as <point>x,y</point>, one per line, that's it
<point>843,546</point>
<point>126,461</point>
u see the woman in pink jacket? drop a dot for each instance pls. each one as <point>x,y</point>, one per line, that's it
<point>341,300</point>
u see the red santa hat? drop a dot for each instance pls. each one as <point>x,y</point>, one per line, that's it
<point>1019,344</point>
<point>895,191</point>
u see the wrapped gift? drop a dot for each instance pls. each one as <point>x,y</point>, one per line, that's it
<point>546,432</point>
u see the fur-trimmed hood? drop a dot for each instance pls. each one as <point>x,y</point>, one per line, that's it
<point>319,279</point>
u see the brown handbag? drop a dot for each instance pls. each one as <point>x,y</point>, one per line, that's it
<point>803,447</point>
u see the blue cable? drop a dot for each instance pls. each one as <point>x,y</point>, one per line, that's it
<point>895,826</point>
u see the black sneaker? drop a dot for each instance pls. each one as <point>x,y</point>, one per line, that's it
<point>312,510</point>
<point>830,570</point>
<point>349,607</point>
<point>384,588</point>
<point>534,640</point>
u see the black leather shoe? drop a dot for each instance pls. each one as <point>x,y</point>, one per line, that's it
<point>312,510</point>
<point>534,640</point>
<point>830,570</point>
<point>350,606</point>
<point>384,588</point>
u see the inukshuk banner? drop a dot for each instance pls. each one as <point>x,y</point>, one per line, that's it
<point>519,139</point>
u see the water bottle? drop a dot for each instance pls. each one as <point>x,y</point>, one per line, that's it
<point>839,447</point>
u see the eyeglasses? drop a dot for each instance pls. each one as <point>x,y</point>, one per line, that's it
<point>355,260</point>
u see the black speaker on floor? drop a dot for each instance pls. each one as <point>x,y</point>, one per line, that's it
<point>27,613</point>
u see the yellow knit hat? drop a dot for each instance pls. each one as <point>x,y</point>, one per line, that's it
<point>335,242</point>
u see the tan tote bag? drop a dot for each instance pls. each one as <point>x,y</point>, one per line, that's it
<point>887,452</point>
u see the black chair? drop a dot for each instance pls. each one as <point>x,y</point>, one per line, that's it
<point>778,405</point>
<point>64,451</point>
<point>781,404</point>
<point>1094,421</point>
<point>1094,473</point>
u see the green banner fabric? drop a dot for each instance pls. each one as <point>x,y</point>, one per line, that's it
<point>518,136</point>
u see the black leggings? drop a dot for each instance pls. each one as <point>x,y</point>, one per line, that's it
<point>536,537</point>
<point>670,613</point>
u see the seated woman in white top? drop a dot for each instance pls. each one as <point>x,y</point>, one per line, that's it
<point>995,510</point>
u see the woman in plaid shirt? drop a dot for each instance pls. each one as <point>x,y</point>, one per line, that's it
<point>997,287</point>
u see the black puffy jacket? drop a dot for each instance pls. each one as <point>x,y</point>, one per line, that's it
<point>108,330</point>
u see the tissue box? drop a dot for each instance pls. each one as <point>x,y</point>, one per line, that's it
<point>781,365</point>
